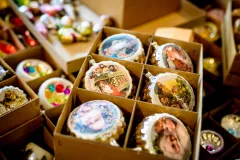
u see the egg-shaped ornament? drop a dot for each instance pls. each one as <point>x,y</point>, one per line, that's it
<point>54,92</point>
<point>169,89</point>
<point>211,141</point>
<point>231,123</point>
<point>31,69</point>
<point>35,152</point>
<point>108,77</point>
<point>122,46</point>
<point>171,56</point>
<point>11,98</point>
<point>164,134</point>
<point>98,120</point>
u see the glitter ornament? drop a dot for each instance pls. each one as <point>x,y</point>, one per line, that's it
<point>231,123</point>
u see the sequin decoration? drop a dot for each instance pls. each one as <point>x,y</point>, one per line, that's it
<point>211,141</point>
<point>36,68</point>
<point>11,98</point>
<point>231,123</point>
<point>57,93</point>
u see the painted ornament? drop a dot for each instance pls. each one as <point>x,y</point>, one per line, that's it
<point>98,120</point>
<point>11,98</point>
<point>108,77</point>
<point>164,134</point>
<point>54,92</point>
<point>211,141</point>
<point>169,89</point>
<point>122,46</point>
<point>31,69</point>
<point>171,56</point>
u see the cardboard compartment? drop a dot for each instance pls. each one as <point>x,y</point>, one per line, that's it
<point>25,112</point>
<point>194,51</point>
<point>187,15</point>
<point>15,141</point>
<point>108,31</point>
<point>52,115</point>
<point>141,11</point>
<point>135,70</point>
<point>189,119</point>
<point>10,73</point>
<point>229,140</point>
<point>65,142</point>
<point>193,79</point>
<point>208,89</point>
<point>232,153</point>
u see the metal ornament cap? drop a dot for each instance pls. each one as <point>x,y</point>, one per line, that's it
<point>97,120</point>
<point>122,46</point>
<point>11,98</point>
<point>165,134</point>
<point>231,123</point>
<point>170,89</point>
<point>31,69</point>
<point>54,92</point>
<point>172,56</point>
<point>110,78</point>
<point>211,141</point>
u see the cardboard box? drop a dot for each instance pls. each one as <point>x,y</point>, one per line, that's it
<point>212,121</point>
<point>10,74</point>
<point>32,131</point>
<point>175,33</point>
<point>68,56</point>
<point>124,11</point>
<point>133,109</point>
<point>25,112</point>
<point>187,15</point>
<point>231,74</point>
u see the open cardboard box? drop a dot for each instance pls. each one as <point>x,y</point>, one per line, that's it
<point>212,121</point>
<point>124,11</point>
<point>133,110</point>
<point>187,15</point>
<point>25,112</point>
<point>34,130</point>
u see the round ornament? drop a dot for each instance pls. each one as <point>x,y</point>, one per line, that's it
<point>163,133</point>
<point>231,123</point>
<point>3,73</point>
<point>171,56</point>
<point>11,98</point>
<point>31,69</point>
<point>122,46</point>
<point>170,89</point>
<point>108,77</point>
<point>211,141</point>
<point>35,152</point>
<point>97,120</point>
<point>54,92</point>
<point>208,31</point>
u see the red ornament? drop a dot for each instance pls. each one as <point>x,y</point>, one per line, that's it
<point>59,88</point>
<point>7,48</point>
<point>29,40</point>
<point>14,20</point>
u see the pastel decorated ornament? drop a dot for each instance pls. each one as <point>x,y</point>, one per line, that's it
<point>108,77</point>
<point>3,73</point>
<point>67,34</point>
<point>171,56</point>
<point>35,152</point>
<point>31,69</point>
<point>105,20</point>
<point>26,11</point>
<point>84,28</point>
<point>216,13</point>
<point>122,46</point>
<point>211,141</point>
<point>54,92</point>
<point>169,89</point>
<point>208,31</point>
<point>164,134</point>
<point>98,120</point>
<point>11,98</point>
<point>48,21</point>
<point>231,123</point>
